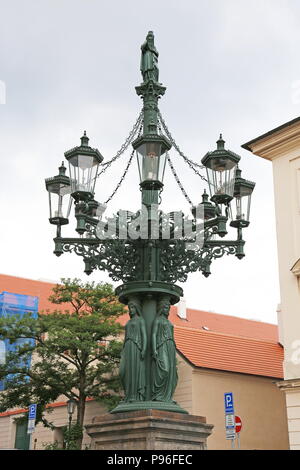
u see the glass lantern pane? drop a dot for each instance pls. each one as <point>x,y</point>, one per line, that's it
<point>239,211</point>
<point>93,175</point>
<point>240,208</point>
<point>221,182</point>
<point>221,164</point>
<point>162,167</point>
<point>150,167</point>
<point>83,177</point>
<point>59,206</point>
<point>248,205</point>
<point>58,188</point>
<point>83,161</point>
<point>243,209</point>
<point>150,161</point>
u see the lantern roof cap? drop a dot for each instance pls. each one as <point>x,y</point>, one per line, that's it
<point>152,138</point>
<point>62,169</point>
<point>220,153</point>
<point>220,142</point>
<point>84,149</point>
<point>208,207</point>
<point>242,184</point>
<point>61,178</point>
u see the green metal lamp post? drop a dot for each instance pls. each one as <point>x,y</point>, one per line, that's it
<point>71,405</point>
<point>150,251</point>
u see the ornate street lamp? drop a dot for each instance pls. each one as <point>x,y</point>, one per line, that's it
<point>58,187</point>
<point>220,166</point>
<point>151,157</point>
<point>71,405</point>
<point>83,164</point>
<point>149,251</point>
<point>240,208</point>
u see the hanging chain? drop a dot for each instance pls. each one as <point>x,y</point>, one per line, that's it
<point>138,128</point>
<point>135,129</point>
<point>178,181</point>
<point>174,172</point>
<point>190,162</point>
<point>126,169</point>
<point>122,178</point>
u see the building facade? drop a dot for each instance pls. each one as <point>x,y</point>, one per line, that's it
<point>281,146</point>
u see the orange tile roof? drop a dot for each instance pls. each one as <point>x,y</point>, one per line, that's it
<point>231,353</point>
<point>227,324</point>
<point>230,343</point>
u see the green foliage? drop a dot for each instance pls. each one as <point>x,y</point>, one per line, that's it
<point>72,437</point>
<point>76,351</point>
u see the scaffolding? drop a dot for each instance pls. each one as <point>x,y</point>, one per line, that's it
<point>15,305</point>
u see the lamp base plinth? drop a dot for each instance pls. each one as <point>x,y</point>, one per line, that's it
<point>149,430</point>
<point>171,406</point>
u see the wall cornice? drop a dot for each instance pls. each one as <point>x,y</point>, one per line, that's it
<point>278,142</point>
<point>289,385</point>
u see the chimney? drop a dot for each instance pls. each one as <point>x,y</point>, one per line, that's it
<point>181,308</point>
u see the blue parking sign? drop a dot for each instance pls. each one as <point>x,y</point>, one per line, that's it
<point>228,398</point>
<point>32,411</point>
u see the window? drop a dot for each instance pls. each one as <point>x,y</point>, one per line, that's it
<point>22,441</point>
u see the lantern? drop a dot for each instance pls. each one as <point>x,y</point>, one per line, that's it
<point>240,207</point>
<point>151,157</point>
<point>58,187</point>
<point>220,166</point>
<point>205,209</point>
<point>83,163</point>
<point>71,405</point>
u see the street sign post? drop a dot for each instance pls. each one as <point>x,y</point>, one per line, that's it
<point>31,421</point>
<point>238,424</point>
<point>31,426</point>
<point>238,428</point>
<point>229,408</point>
<point>32,411</point>
<point>229,417</point>
<point>229,421</point>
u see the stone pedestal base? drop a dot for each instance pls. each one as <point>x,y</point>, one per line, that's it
<point>149,430</point>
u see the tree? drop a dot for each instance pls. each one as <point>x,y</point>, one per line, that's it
<point>75,352</point>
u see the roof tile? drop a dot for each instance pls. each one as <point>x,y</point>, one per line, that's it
<point>231,353</point>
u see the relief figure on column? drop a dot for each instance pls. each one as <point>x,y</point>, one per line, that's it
<point>164,369</point>
<point>132,367</point>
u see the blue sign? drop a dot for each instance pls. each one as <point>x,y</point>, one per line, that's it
<point>32,411</point>
<point>228,397</point>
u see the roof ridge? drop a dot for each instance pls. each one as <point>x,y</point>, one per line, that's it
<point>28,279</point>
<point>231,316</point>
<point>227,334</point>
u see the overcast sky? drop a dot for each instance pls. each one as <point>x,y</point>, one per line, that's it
<point>230,66</point>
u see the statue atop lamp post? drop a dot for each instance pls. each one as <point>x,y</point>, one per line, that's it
<point>149,59</point>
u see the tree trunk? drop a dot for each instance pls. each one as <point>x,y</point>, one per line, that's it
<point>80,417</point>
